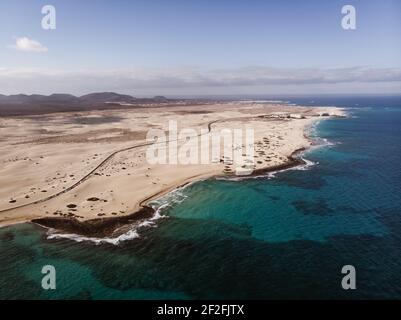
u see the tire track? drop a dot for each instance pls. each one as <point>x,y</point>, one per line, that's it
<point>100,165</point>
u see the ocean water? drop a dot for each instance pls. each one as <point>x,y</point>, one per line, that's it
<point>286,236</point>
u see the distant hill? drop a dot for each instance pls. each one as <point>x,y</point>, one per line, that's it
<point>22,104</point>
<point>103,97</point>
<point>160,98</point>
<point>62,97</point>
<point>99,97</point>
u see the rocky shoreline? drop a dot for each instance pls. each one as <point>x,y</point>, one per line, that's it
<point>115,226</point>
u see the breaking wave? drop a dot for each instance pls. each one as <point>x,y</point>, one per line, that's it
<point>159,205</point>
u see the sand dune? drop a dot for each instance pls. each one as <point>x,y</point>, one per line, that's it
<point>88,165</point>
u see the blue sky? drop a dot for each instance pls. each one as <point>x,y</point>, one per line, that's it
<point>202,47</point>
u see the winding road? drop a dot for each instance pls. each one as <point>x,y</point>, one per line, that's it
<point>101,164</point>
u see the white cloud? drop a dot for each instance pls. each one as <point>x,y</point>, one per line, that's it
<point>252,80</point>
<point>29,45</point>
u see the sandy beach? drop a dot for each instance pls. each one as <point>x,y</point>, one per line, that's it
<point>80,170</point>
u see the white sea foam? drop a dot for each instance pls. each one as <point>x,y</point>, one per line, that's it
<point>272,174</point>
<point>131,234</point>
<point>158,205</point>
<point>318,142</point>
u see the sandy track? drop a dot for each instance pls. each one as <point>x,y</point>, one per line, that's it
<point>100,165</point>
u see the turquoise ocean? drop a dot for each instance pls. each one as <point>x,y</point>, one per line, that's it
<point>283,235</point>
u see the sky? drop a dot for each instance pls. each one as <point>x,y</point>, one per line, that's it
<point>200,47</point>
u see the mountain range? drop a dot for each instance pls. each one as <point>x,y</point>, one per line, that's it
<point>22,104</point>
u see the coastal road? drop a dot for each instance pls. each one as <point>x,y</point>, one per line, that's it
<point>101,164</point>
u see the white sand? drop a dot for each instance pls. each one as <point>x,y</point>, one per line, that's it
<point>41,156</point>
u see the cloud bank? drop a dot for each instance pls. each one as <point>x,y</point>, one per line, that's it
<point>252,80</point>
<point>28,45</point>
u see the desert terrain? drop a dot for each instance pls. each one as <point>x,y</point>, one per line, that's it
<point>92,165</point>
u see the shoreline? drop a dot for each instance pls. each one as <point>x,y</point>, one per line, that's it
<point>114,226</point>
<point>280,138</point>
